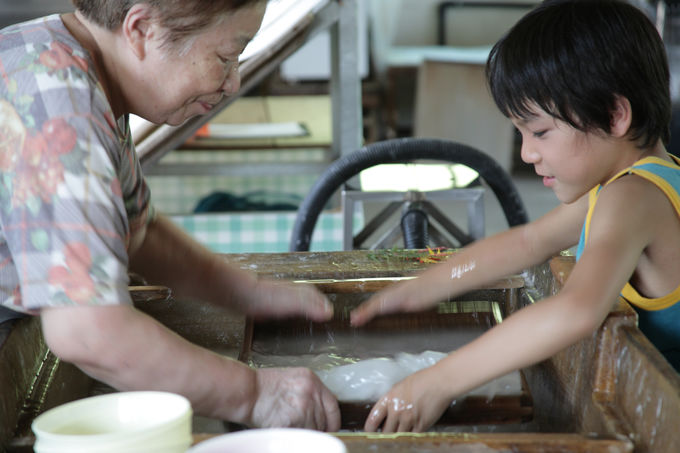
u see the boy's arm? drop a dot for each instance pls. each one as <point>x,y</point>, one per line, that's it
<point>540,330</point>
<point>482,262</point>
<point>170,257</point>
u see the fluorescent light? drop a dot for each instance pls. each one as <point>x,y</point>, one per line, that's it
<point>421,177</point>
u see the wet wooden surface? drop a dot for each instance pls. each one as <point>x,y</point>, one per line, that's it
<point>32,380</point>
<point>610,392</point>
<point>483,443</point>
<point>481,313</point>
<point>330,267</point>
<point>469,411</point>
<point>613,381</point>
<point>474,443</point>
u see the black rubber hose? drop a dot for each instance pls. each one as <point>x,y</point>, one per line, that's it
<point>404,150</point>
<point>414,225</point>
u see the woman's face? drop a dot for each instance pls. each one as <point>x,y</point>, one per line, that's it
<point>181,84</point>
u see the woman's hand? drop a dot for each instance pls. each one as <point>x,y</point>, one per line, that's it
<point>169,256</point>
<point>414,404</point>
<point>282,299</point>
<point>294,397</point>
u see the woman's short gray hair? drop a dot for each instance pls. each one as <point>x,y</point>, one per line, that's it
<point>182,18</point>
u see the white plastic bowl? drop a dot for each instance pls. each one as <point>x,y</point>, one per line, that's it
<point>273,440</point>
<point>125,422</point>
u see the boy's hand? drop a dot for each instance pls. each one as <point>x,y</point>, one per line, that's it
<point>414,404</point>
<point>282,299</point>
<point>294,397</point>
<point>394,299</point>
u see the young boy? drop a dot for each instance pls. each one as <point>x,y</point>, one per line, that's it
<point>586,85</point>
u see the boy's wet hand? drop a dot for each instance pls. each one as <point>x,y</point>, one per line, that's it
<point>373,307</point>
<point>391,300</point>
<point>412,405</point>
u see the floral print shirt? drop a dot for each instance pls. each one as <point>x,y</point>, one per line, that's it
<point>72,194</point>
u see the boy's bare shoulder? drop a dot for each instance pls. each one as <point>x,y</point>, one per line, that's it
<point>632,188</point>
<point>635,210</point>
<point>638,202</point>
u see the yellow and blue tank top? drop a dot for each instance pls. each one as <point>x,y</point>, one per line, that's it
<point>659,319</point>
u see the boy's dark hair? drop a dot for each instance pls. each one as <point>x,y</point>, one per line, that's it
<point>182,18</point>
<point>572,58</point>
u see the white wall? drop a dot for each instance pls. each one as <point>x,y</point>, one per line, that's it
<point>313,60</point>
<point>13,11</point>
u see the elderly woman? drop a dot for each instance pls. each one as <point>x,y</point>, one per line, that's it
<point>75,212</point>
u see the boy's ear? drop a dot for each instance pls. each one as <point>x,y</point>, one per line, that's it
<point>621,117</point>
<point>138,28</point>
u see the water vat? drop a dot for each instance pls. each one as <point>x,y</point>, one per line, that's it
<point>611,392</point>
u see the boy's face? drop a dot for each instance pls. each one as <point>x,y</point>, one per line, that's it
<point>571,162</point>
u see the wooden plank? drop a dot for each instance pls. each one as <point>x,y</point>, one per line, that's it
<point>612,383</point>
<point>372,285</point>
<point>473,443</point>
<point>311,112</point>
<point>447,317</point>
<point>482,443</point>
<point>149,293</point>
<point>351,266</point>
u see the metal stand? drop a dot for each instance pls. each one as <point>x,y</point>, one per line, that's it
<point>442,232</point>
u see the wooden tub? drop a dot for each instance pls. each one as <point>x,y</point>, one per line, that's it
<point>611,392</point>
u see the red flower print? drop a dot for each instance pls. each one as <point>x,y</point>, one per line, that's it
<point>39,173</point>
<point>24,188</point>
<point>60,56</point>
<point>109,120</point>
<point>17,296</point>
<point>116,189</point>
<point>60,135</point>
<point>51,173</point>
<point>34,149</point>
<point>12,135</point>
<point>74,278</point>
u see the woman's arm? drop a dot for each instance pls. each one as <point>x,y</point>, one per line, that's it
<point>131,351</point>
<point>170,257</point>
